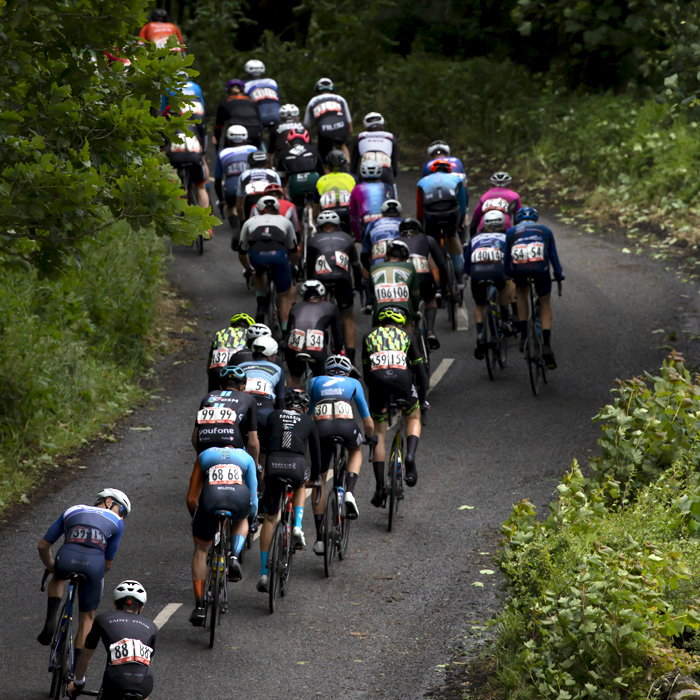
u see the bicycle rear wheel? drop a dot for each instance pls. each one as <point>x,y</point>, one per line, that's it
<point>453,291</point>
<point>274,564</point>
<point>200,244</point>
<point>58,659</point>
<point>273,314</point>
<point>533,355</point>
<point>330,528</point>
<point>503,349</point>
<point>287,558</point>
<point>489,341</point>
<point>216,575</point>
<point>394,480</point>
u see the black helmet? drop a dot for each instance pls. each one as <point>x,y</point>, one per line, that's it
<point>257,159</point>
<point>409,225</point>
<point>296,398</point>
<point>337,159</point>
<point>159,15</point>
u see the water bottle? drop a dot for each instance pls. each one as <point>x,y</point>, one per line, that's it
<point>341,497</point>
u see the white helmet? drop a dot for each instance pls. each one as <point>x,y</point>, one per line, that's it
<point>130,589</point>
<point>373,120</point>
<point>289,112</point>
<point>391,207</point>
<point>312,288</point>
<point>118,497</point>
<point>327,217</point>
<point>324,85</point>
<point>266,346</point>
<point>438,146</point>
<point>237,134</point>
<point>370,170</point>
<point>268,202</point>
<point>500,179</point>
<point>257,330</point>
<point>338,364</point>
<point>255,68</point>
<point>494,221</point>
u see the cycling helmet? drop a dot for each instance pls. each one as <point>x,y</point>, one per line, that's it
<point>526,214</point>
<point>338,364</point>
<point>391,207</point>
<point>397,249</point>
<point>410,224</point>
<point>437,147</point>
<point>274,189</point>
<point>370,170</point>
<point>118,497</point>
<point>337,159</point>
<point>373,121</point>
<point>255,68</point>
<point>299,134</point>
<point>500,179</point>
<point>232,374</point>
<point>296,398</point>
<point>257,330</point>
<point>289,112</point>
<point>324,85</point>
<point>131,590</point>
<point>268,202</point>
<point>493,221</point>
<point>393,314</point>
<point>257,159</point>
<point>327,218</point>
<point>441,165</point>
<point>245,318</point>
<point>237,134</point>
<point>159,15</point>
<point>235,82</point>
<point>312,288</point>
<point>265,345</point>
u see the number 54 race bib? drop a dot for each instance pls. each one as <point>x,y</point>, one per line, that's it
<point>527,253</point>
<point>129,651</point>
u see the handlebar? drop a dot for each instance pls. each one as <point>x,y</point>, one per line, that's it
<point>559,286</point>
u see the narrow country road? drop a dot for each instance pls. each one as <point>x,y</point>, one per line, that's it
<point>384,620</point>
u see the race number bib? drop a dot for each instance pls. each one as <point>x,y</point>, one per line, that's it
<point>258,386</point>
<point>487,255</point>
<point>194,106</point>
<point>216,414</point>
<point>225,475</point>
<point>333,199</point>
<point>342,260</point>
<point>129,651</point>
<point>389,359</point>
<point>527,253</point>
<point>496,204</point>
<point>382,158</point>
<point>379,250</point>
<point>236,168</point>
<point>314,340</point>
<point>255,187</point>
<point>264,93</point>
<point>420,263</point>
<point>327,106</point>
<point>333,409</point>
<point>296,340</point>
<point>189,143</point>
<point>81,535</point>
<point>322,267</point>
<point>388,292</point>
<point>219,358</point>
<point>366,218</point>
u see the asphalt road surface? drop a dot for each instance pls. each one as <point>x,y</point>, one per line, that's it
<point>385,620</point>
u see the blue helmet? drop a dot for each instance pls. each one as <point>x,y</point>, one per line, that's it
<point>526,214</point>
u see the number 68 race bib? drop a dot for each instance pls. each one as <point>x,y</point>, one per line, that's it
<point>129,651</point>
<point>225,475</point>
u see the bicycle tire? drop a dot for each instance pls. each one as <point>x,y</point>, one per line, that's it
<point>330,524</point>
<point>394,485</point>
<point>532,355</point>
<point>200,244</point>
<point>273,313</point>
<point>503,349</point>
<point>489,341</point>
<point>287,560</point>
<point>57,656</point>
<point>424,349</point>
<point>216,573</point>
<point>273,564</point>
<point>452,288</point>
<point>64,663</point>
<point>344,534</point>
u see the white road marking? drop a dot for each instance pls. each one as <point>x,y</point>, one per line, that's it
<point>165,614</point>
<point>439,373</point>
<point>462,319</point>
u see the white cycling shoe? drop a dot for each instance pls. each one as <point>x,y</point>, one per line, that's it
<point>298,541</point>
<point>262,583</point>
<point>351,506</point>
<point>319,548</point>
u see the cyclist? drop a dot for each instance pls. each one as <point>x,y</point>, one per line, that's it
<point>257,330</point>
<point>333,191</point>
<point>331,405</point>
<point>332,259</point>
<point>302,166</point>
<point>263,91</point>
<point>367,198</point>
<point>530,250</point>
<point>158,30</point>
<point>394,282</point>
<point>231,161</point>
<point>376,144</point>
<point>309,321</point>
<point>498,198</point>
<point>268,242</point>
<point>193,100</point>
<point>389,361</point>
<point>441,205</point>
<point>484,262</point>
<point>223,478</point>
<point>237,108</point>
<point>129,639</point>
<point>253,182</point>
<point>287,209</point>
<point>188,153</point>
<point>228,341</point>
<point>379,232</point>
<point>429,264</point>
<point>289,119</point>
<point>441,150</point>
<point>228,417</point>
<point>290,431</point>
<point>330,113</point>
<point>91,539</point>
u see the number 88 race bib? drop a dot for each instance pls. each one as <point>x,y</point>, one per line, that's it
<point>129,651</point>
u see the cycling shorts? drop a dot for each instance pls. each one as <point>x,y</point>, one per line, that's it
<point>448,222</point>
<point>543,282</point>
<point>279,466</point>
<point>234,498</point>
<point>384,386</point>
<point>269,114</point>
<point>343,428</point>
<point>115,682</point>
<point>342,290</point>
<point>265,408</point>
<point>76,559</point>
<point>230,187</point>
<point>297,367</point>
<point>480,278</point>
<point>277,261</point>
<point>326,137</point>
<point>428,288</point>
<point>192,162</point>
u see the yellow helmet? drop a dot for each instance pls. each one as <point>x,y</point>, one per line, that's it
<point>242,317</point>
<point>393,315</point>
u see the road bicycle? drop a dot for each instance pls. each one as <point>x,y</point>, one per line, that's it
<point>272,319</point>
<point>421,336</point>
<point>192,199</point>
<point>308,229</point>
<point>454,296</point>
<point>396,469</point>
<point>494,334</point>
<point>216,589</point>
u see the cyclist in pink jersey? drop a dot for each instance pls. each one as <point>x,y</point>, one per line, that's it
<point>498,198</point>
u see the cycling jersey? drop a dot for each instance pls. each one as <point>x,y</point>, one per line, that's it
<point>228,481</point>
<point>394,284</point>
<point>299,157</point>
<point>366,202</point>
<point>380,146</point>
<point>333,192</point>
<point>337,389</point>
<point>231,161</point>
<point>268,232</point>
<point>266,95</point>
<point>440,194</point>
<point>530,249</point>
<point>194,99</point>
<point>422,248</point>
<point>265,381</point>
<point>228,341</point>
<point>287,209</point>
<point>238,109</point>
<point>278,138</point>
<point>130,642</point>
<point>225,418</point>
<point>485,253</point>
<point>187,153</point>
<point>457,167</point>
<point>329,112</point>
<point>159,32</point>
<point>377,234</point>
<point>254,180</point>
<point>331,257</point>
<point>496,199</point>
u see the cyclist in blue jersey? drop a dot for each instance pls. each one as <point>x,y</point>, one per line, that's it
<point>193,96</point>
<point>530,251</point>
<point>223,478</point>
<point>92,535</point>
<point>263,91</point>
<point>331,406</point>
<point>441,150</point>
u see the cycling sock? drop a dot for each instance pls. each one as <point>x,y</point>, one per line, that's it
<point>238,542</point>
<point>350,482</point>
<point>318,522</point>
<point>522,328</point>
<point>284,326</point>
<point>411,447</point>
<point>263,563</point>
<point>368,292</point>
<point>233,221</point>
<point>298,515</point>
<point>479,331</point>
<point>514,308</point>
<point>379,473</point>
<point>505,314</point>
<point>546,335</point>
<point>350,352</point>
<point>198,592</point>
<point>52,606</point>
<point>430,314</point>
<point>458,263</point>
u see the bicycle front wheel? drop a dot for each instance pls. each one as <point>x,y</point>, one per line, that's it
<point>274,564</point>
<point>330,526</point>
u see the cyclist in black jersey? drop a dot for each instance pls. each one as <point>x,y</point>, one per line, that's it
<point>309,323</point>
<point>252,184</point>
<point>237,108</point>
<point>289,119</point>
<point>227,342</point>
<point>332,260</point>
<point>290,432</point>
<point>302,166</point>
<point>331,115</point>
<point>129,639</point>
<point>426,258</point>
